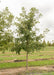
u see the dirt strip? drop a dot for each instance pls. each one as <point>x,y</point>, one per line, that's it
<point>13,71</point>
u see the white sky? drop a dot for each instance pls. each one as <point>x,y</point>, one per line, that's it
<point>46,7</point>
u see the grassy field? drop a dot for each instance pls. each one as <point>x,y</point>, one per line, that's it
<point>47,54</point>
<point>47,73</point>
<point>23,64</point>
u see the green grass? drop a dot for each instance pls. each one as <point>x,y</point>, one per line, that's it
<point>12,65</point>
<point>23,64</point>
<point>47,73</point>
<point>41,63</point>
<point>50,73</point>
<point>12,58</point>
<point>37,73</point>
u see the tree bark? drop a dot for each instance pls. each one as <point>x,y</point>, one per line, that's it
<point>26,60</point>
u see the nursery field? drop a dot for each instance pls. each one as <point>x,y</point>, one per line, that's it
<point>38,58</point>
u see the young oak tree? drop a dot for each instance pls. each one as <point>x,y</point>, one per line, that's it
<point>27,38</point>
<point>6,19</point>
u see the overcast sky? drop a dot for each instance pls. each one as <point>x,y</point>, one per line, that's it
<point>46,7</point>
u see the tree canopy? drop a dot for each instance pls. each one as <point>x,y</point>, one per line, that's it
<point>6,19</point>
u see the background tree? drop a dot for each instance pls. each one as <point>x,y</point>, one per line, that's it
<point>6,18</point>
<point>27,32</point>
<point>48,43</point>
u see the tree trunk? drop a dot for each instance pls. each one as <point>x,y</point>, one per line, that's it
<point>26,60</point>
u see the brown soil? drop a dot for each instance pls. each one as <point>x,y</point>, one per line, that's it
<point>13,71</point>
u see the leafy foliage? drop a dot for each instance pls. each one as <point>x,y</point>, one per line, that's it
<point>27,38</point>
<point>6,18</point>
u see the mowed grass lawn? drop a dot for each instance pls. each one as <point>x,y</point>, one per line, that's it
<point>47,52</point>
